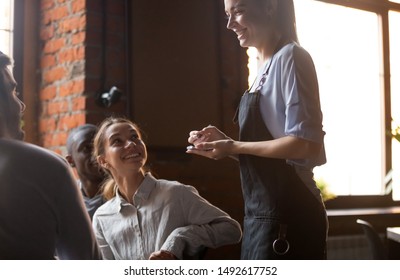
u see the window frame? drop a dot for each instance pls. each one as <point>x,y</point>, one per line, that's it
<point>26,39</point>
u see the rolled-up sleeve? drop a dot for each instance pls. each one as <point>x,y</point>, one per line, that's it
<point>207,226</point>
<point>301,96</point>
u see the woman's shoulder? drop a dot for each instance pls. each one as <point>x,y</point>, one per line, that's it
<point>174,186</point>
<point>293,51</point>
<point>108,208</point>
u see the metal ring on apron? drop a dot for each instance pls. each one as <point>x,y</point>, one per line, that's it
<point>281,246</point>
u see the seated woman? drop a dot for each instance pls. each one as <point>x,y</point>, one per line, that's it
<point>148,218</point>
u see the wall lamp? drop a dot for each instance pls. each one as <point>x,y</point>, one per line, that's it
<point>106,99</point>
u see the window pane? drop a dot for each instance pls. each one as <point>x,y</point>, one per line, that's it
<point>344,44</point>
<point>6,26</point>
<point>394,24</point>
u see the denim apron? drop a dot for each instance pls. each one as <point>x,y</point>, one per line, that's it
<point>283,219</point>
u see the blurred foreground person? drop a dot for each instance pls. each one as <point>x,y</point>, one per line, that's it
<point>41,210</point>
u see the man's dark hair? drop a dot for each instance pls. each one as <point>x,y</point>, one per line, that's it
<point>4,62</point>
<point>75,131</point>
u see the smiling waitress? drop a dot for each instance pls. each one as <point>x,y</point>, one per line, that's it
<point>281,138</point>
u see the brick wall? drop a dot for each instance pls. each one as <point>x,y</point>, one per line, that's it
<point>71,64</point>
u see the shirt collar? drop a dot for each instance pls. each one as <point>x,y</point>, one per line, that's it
<point>146,187</point>
<point>142,194</point>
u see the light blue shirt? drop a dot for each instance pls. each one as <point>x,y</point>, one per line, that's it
<point>165,215</point>
<point>289,102</point>
<point>290,105</point>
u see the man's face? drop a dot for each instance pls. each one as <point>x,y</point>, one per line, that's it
<point>81,154</point>
<point>12,107</point>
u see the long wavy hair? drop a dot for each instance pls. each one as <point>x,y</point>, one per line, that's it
<point>109,187</point>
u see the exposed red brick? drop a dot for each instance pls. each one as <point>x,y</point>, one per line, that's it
<point>78,38</point>
<point>71,88</point>
<point>47,33</point>
<point>72,24</point>
<point>71,54</point>
<point>53,45</point>
<point>47,124</point>
<point>54,74</point>
<point>78,6</point>
<point>48,61</point>
<point>78,103</point>
<point>54,108</point>
<point>68,122</point>
<point>47,140</point>
<point>59,139</point>
<point>71,32</point>
<point>59,13</point>
<point>46,4</point>
<point>58,151</point>
<point>48,93</point>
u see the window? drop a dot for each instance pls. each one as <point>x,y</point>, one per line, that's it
<point>347,46</point>
<point>6,26</point>
<point>394,24</point>
<point>346,55</point>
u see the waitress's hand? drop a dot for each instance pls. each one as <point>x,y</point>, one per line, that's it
<point>210,142</point>
<point>162,255</point>
<point>207,134</point>
<point>215,150</point>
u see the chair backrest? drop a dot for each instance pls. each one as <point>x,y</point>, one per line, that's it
<point>376,244</point>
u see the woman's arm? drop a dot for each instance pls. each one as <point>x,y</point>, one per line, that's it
<point>207,226</point>
<point>288,147</point>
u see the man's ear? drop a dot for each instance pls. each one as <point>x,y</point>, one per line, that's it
<point>70,160</point>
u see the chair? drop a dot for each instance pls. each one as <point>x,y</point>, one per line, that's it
<point>375,243</point>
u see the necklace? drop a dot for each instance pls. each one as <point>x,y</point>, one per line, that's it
<point>265,74</point>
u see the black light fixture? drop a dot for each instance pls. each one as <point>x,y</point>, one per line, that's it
<point>106,99</point>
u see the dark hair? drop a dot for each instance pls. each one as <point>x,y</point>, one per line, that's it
<point>4,96</point>
<point>286,20</point>
<point>70,139</point>
<point>109,187</point>
<point>4,62</point>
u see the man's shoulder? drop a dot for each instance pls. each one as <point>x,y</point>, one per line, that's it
<point>26,152</point>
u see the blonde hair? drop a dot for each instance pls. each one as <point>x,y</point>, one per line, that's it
<point>109,187</point>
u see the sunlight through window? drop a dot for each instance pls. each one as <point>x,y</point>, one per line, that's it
<point>347,57</point>
<point>345,46</point>
<point>6,26</point>
<point>394,23</point>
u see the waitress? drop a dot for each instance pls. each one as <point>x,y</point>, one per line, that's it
<point>280,137</point>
